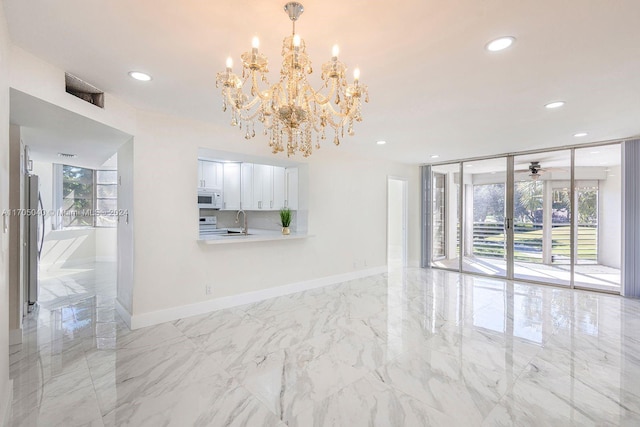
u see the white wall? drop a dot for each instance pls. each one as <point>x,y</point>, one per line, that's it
<point>38,78</point>
<point>16,196</point>
<point>610,219</point>
<point>395,220</point>
<point>125,253</point>
<point>347,216</point>
<point>5,384</point>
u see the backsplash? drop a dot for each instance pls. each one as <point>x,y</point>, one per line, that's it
<point>264,220</point>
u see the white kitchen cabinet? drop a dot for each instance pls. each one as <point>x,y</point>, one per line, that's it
<point>262,187</point>
<point>209,174</point>
<point>231,193</point>
<point>279,187</point>
<point>291,200</point>
<point>246,186</point>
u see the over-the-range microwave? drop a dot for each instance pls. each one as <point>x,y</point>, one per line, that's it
<point>209,199</point>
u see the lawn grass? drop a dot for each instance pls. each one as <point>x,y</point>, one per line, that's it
<point>587,243</point>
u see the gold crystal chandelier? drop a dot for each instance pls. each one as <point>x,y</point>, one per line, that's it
<point>291,111</point>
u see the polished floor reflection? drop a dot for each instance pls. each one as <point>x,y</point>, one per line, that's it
<point>409,348</point>
<point>590,276</point>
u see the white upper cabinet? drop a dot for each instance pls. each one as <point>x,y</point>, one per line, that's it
<point>250,186</point>
<point>209,174</point>
<point>262,187</point>
<point>291,200</point>
<point>279,188</point>
<point>231,186</point>
<point>246,186</point>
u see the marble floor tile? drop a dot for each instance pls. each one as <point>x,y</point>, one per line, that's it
<point>456,386</point>
<point>369,402</point>
<point>410,347</point>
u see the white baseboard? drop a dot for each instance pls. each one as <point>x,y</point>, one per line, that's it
<point>5,407</point>
<point>15,336</point>
<point>174,313</point>
<point>124,313</point>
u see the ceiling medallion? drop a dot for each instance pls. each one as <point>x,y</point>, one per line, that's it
<point>291,111</point>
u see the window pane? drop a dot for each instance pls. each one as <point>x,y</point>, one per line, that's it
<point>106,191</point>
<point>107,177</point>
<point>107,204</point>
<point>77,191</point>
<point>106,221</point>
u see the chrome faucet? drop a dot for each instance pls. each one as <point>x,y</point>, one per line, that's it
<point>244,230</point>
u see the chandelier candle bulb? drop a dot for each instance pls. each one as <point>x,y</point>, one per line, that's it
<point>334,53</point>
<point>229,64</point>
<point>356,75</point>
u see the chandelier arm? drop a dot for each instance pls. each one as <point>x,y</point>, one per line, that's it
<point>245,107</point>
<point>322,100</point>
<point>263,95</point>
<point>336,113</point>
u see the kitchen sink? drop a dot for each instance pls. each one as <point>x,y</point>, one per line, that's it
<point>234,233</point>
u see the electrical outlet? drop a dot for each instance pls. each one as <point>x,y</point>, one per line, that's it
<point>207,290</point>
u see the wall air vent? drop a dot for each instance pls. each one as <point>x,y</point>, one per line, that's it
<point>83,90</point>
<point>67,155</point>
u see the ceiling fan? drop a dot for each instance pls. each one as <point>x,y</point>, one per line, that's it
<point>535,170</point>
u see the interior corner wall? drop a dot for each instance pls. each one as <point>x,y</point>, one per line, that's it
<point>346,216</point>
<point>5,383</point>
<point>125,243</point>
<point>16,195</point>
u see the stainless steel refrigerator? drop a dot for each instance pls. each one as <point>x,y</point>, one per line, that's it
<point>32,241</point>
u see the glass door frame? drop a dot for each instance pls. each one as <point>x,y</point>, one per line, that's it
<point>509,215</point>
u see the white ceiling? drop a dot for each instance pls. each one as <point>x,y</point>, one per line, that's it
<point>434,88</point>
<point>48,130</point>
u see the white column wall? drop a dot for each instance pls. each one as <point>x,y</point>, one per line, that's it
<point>5,383</point>
<point>610,218</point>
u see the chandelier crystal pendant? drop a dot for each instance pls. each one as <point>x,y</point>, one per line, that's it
<point>291,111</point>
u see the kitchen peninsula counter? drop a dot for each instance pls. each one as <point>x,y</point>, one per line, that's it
<point>255,235</point>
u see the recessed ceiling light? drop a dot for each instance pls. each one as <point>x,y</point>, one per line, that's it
<point>500,44</point>
<point>381,142</point>
<point>555,104</point>
<point>138,75</point>
<point>67,155</point>
<point>434,156</point>
<point>580,134</point>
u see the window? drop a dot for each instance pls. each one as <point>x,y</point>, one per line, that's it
<point>106,198</point>
<point>77,196</point>
<point>89,198</point>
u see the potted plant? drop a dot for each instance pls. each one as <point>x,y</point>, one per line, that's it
<point>285,220</point>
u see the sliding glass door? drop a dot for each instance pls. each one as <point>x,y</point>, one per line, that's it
<point>445,214</point>
<point>484,238</point>
<point>513,217</point>
<point>542,217</point>
<point>598,201</point>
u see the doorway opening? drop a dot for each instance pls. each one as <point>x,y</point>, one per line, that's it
<point>64,177</point>
<point>396,222</point>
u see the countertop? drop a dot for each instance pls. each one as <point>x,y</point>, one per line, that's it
<point>255,235</point>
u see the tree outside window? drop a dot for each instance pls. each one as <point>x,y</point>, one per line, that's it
<point>77,196</point>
